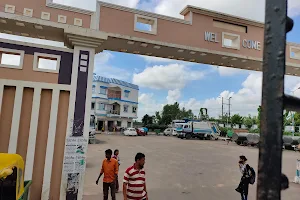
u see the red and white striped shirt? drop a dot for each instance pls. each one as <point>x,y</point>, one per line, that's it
<point>135,180</point>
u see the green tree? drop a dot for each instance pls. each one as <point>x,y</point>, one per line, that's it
<point>297,119</point>
<point>287,118</point>
<point>236,120</point>
<point>170,112</point>
<point>249,121</point>
<point>157,118</point>
<point>223,119</point>
<point>257,121</point>
<point>212,119</point>
<point>147,120</point>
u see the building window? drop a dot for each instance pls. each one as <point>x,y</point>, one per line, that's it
<point>46,62</point>
<point>94,89</point>
<point>126,93</point>
<point>295,53</point>
<point>103,90</point>
<point>133,109</point>
<point>93,106</point>
<point>126,108</point>
<point>230,40</point>
<point>11,58</point>
<point>145,24</point>
<point>101,106</point>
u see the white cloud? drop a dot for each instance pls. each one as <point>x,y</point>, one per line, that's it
<point>103,68</point>
<point>172,76</point>
<point>173,96</point>
<point>228,71</point>
<point>253,9</point>
<point>148,105</point>
<point>294,7</point>
<point>152,59</point>
<point>91,4</point>
<point>245,101</point>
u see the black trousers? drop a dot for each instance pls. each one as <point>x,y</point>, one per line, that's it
<point>106,187</point>
<point>244,188</point>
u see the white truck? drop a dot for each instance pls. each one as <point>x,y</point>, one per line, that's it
<point>202,130</point>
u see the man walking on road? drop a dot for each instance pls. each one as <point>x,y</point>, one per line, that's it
<point>110,170</point>
<point>134,183</point>
<point>244,183</point>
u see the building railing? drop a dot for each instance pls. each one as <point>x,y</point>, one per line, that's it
<point>113,112</point>
<point>114,96</point>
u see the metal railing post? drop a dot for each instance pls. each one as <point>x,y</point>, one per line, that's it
<point>270,150</point>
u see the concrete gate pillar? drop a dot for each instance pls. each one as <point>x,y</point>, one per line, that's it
<point>78,124</point>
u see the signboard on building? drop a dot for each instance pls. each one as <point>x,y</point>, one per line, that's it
<point>231,39</point>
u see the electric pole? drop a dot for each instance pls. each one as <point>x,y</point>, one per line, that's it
<point>229,108</point>
<point>222,107</point>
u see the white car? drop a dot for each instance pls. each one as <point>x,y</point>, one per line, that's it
<point>130,132</point>
<point>170,131</point>
<point>174,132</point>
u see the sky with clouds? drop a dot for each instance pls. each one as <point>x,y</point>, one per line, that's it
<point>193,85</point>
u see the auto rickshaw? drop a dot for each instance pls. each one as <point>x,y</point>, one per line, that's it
<point>12,178</point>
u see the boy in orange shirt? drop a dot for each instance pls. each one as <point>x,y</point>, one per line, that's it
<point>110,171</point>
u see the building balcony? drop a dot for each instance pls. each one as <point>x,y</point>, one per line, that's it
<point>113,113</point>
<point>114,96</point>
<point>114,93</point>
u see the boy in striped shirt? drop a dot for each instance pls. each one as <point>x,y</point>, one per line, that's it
<point>134,183</point>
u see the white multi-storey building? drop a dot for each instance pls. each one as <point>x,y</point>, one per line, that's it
<point>114,103</point>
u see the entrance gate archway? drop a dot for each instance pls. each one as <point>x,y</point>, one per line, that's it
<point>41,96</point>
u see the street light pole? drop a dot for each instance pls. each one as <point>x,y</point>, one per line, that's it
<point>222,108</point>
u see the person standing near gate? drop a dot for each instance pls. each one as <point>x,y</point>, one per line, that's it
<point>110,170</point>
<point>134,183</point>
<point>116,156</point>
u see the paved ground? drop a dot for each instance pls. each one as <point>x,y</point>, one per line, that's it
<point>183,169</point>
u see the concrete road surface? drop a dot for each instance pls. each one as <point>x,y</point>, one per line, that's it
<point>183,169</point>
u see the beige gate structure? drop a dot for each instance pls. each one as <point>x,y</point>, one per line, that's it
<point>44,113</point>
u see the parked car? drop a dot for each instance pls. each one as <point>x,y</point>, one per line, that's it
<point>140,132</point>
<point>130,132</point>
<point>174,132</point>
<point>170,131</point>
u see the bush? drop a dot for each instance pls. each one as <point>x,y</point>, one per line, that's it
<point>223,131</point>
<point>290,133</point>
<point>254,131</point>
<point>152,127</point>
